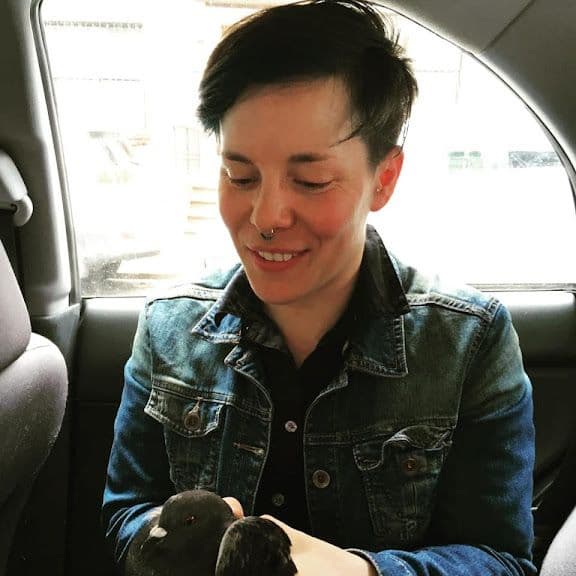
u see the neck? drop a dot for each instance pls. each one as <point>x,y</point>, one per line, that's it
<point>304,324</point>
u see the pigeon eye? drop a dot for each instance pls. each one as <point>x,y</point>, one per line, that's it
<point>189,520</point>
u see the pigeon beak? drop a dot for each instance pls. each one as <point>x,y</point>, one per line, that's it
<point>157,532</point>
<point>154,538</point>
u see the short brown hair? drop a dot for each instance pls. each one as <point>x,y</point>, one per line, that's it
<point>310,40</point>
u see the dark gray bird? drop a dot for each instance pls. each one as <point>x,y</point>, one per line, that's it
<point>255,546</point>
<point>195,533</point>
<point>183,538</point>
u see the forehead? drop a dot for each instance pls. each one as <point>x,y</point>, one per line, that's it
<point>313,114</point>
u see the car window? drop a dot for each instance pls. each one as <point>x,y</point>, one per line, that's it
<point>483,195</point>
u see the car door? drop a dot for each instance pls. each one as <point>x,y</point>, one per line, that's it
<point>96,113</point>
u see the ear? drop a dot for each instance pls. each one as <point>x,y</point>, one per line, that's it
<point>387,174</point>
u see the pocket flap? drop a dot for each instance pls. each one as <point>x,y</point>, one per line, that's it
<point>189,412</point>
<point>413,439</point>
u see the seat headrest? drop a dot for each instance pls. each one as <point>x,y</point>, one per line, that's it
<point>14,320</point>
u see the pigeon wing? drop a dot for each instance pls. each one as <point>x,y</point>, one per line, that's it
<point>137,560</point>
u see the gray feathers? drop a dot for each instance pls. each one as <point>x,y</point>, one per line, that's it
<point>255,546</point>
<point>183,540</point>
<point>196,534</point>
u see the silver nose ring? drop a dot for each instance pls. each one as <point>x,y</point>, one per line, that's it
<point>268,235</point>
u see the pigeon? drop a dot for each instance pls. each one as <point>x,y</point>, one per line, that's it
<point>254,546</point>
<point>195,533</point>
<point>182,538</point>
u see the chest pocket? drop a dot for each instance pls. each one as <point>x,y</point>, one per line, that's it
<point>400,474</point>
<point>192,431</point>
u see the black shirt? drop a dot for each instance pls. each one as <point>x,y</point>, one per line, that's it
<point>292,389</point>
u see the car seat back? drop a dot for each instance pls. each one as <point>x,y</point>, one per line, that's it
<point>33,390</point>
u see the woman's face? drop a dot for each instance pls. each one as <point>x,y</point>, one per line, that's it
<point>287,165</point>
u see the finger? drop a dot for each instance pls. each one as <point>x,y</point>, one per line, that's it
<point>237,509</point>
<point>275,520</point>
<point>288,529</point>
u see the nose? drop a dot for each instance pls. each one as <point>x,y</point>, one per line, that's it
<point>272,208</point>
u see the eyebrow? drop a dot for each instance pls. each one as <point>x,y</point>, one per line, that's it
<point>301,158</point>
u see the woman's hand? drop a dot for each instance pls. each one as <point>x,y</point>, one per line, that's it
<point>235,505</point>
<point>313,556</point>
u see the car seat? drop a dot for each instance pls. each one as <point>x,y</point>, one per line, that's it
<point>33,391</point>
<point>560,560</point>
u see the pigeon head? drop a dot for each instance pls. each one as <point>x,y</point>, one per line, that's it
<point>196,513</point>
<point>189,528</point>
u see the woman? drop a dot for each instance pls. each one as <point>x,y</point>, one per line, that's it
<point>381,417</point>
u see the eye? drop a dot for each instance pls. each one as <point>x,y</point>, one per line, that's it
<point>238,182</point>
<point>309,185</point>
<point>241,182</point>
<point>190,520</point>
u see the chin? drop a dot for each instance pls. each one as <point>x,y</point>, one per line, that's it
<point>274,293</point>
<point>275,297</point>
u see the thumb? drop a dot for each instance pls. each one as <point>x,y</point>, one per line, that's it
<point>236,507</point>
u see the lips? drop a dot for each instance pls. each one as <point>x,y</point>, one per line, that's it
<point>276,256</point>
<point>275,260</point>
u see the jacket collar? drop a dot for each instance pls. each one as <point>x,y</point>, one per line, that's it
<point>379,288</point>
<point>376,343</point>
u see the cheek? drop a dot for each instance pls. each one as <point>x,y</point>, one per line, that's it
<point>229,207</point>
<point>336,219</point>
<point>224,210</point>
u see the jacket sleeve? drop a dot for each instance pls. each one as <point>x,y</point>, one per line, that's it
<point>482,523</point>
<point>138,478</point>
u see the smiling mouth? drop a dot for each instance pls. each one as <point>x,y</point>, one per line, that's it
<point>276,256</point>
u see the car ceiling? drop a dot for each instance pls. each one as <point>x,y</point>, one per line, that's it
<point>473,24</point>
<point>530,44</point>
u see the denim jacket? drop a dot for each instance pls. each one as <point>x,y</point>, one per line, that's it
<point>418,455</point>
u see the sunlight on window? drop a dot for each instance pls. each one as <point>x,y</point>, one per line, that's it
<point>483,195</point>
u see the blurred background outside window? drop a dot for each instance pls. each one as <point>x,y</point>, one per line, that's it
<point>483,195</point>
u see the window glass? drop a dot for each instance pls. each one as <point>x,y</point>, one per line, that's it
<point>482,196</point>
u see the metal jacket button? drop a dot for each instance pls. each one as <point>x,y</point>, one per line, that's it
<point>291,426</point>
<point>192,419</point>
<point>410,464</point>
<point>321,479</point>
<point>278,500</point>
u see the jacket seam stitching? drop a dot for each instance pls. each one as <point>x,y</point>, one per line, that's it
<point>479,339</point>
<point>455,305</point>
